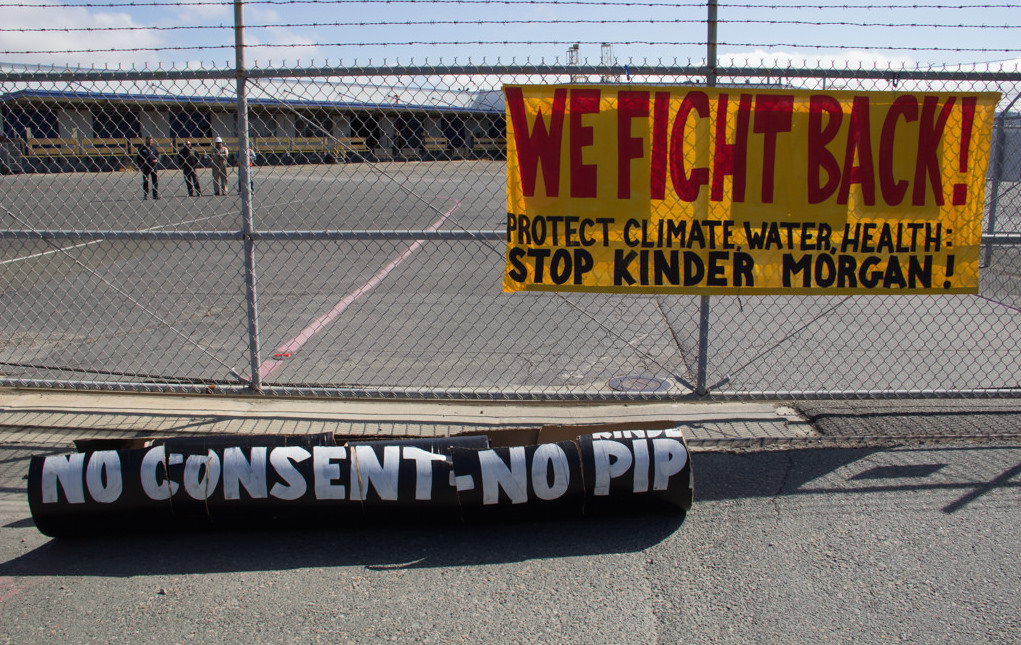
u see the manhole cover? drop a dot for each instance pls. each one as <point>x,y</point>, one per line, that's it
<point>637,383</point>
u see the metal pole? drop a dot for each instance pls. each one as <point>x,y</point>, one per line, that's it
<point>701,376</point>
<point>710,59</point>
<point>244,189</point>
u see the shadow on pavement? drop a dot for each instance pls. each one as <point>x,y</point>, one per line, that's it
<point>374,547</point>
<point>780,473</point>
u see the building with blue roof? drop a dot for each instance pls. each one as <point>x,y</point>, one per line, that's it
<point>72,130</point>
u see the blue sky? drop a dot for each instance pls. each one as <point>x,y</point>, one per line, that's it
<point>200,31</point>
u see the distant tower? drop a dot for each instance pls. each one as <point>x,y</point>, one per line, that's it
<point>606,59</point>
<point>606,54</point>
<point>572,61</point>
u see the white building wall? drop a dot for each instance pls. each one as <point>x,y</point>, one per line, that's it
<point>286,126</point>
<point>152,123</point>
<point>341,127</point>
<point>222,124</point>
<point>475,127</point>
<point>387,137</point>
<point>431,126</point>
<point>261,124</point>
<point>74,124</point>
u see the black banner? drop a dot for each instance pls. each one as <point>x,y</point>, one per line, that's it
<point>223,482</point>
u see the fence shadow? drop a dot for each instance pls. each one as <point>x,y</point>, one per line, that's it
<point>783,473</point>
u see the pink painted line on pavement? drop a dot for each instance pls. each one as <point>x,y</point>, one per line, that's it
<point>270,366</point>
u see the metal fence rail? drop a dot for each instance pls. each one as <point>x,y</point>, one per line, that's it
<point>364,256</point>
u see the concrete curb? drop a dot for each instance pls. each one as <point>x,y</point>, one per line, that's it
<point>74,414</point>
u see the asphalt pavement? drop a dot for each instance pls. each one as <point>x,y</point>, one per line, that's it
<point>822,522</point>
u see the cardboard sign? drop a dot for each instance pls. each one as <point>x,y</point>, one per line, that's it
<point>263,481</point>
<point>744,191</point>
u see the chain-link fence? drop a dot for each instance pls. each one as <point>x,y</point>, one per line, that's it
<point>364,255</point>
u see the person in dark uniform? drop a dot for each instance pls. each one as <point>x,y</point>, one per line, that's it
<point>187,160</point>
<point>148,158</point>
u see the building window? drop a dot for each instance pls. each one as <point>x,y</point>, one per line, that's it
<point>453,130</point>
<point>115,124</point>
<point>190,124</point>
<point>314,124</point>
<point>497,127</point>
<point>40,122</point>
<point>409,132</point>
<point>365,127</point>
<point>261,124</point>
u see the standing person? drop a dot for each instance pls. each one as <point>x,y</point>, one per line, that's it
<point>187,160</point>
<point>219,167</point>
<point>148,158</point>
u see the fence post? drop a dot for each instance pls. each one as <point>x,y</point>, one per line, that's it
<point>701,375</point>
<point>244,190</point>
<point>710,59</point>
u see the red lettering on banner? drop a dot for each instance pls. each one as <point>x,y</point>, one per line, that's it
<point>687,186</point>
<point>630,105</point>
<point>539,145</point>
<point>960,194</point>
<point>731,158</point>
<point>842,155</point>
<point>660,126</point>
<point>930,133</point>
<point>893,191</point>
<point>583,175</point>
<point>773,114</point>
<point>819,158</point>
<point>860,142</point>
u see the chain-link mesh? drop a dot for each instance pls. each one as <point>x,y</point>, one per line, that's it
<point>378,201</point>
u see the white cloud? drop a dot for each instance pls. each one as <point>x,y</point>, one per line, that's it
<point>298,49</point>
<point>54,47</point>
<point>203,13</point>
<point>261,15</point>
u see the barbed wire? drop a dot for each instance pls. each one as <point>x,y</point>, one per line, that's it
<point>589,3</point>
<point>381,23</point>
<point>944,30</point>
<point>412,43</point>
<point>433,23</point>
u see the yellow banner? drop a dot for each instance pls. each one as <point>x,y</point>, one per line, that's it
<point>744,191</point>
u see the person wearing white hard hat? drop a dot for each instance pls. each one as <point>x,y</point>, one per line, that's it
<point>220,154</point>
